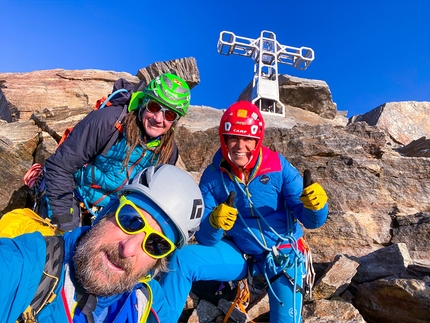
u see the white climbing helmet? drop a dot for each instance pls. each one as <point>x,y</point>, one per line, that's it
<point>175,192</point>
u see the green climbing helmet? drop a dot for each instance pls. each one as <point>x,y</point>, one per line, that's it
<point>171,91</point>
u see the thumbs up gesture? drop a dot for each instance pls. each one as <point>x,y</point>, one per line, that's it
<point>313,196</point>
<point>224,215</point>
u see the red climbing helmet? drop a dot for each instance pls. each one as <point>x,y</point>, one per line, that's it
<point>242,119</point>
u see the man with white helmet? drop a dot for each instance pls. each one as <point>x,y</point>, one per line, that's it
<point>107,269</point>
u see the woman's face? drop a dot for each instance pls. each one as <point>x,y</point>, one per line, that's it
<point>155,123</point>
<point>240,149</point>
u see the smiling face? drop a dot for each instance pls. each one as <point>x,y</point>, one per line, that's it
<point>109,261</point>
<point>240,148</point>
<point>155,124</point>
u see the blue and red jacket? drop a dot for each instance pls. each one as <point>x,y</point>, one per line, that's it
<point>272,192</point>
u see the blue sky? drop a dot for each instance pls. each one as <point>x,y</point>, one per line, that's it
<point>369,52</point>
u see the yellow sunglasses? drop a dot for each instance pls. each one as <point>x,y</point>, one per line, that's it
<point>131,220</point>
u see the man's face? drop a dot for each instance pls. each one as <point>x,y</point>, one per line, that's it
<point>109,261</point>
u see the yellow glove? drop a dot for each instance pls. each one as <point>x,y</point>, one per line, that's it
<point>313,196</point>
<point>224,215</point>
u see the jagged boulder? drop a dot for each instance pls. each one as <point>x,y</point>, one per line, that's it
<point>309,95</point>
<point>40,90</point>
<point>378,197</point>
<point>6,109</point>
<point>18,141</point>
<point>402,121</point>
<point>336,278</point>
<point>331,312</point>
<point>50,89</point>
<point>400,300</point>
<point>414,231</point>
<point>185,68</point>
<point>416,148</point>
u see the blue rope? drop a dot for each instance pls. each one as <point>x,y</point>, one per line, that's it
<point>273,255</point>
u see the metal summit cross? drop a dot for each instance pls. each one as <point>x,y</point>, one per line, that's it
<point>266,53</point>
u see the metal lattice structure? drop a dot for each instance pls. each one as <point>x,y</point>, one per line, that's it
<point>266,53</point>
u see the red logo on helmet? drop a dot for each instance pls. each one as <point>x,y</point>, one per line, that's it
<point>177,82</point>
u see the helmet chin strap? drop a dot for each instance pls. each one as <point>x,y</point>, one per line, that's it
<point>240,170</point>
<point>251,158</point>
<point>235,164</point>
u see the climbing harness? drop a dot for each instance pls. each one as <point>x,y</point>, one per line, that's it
<point>276,261</point>
<point>242,299</point>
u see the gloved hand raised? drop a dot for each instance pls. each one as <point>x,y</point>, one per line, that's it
<point>224,215</point>
<point>313,196</point>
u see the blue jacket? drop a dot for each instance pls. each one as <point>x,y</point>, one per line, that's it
<point>84,146</point>
<point>272,193</point>
<point>22,260</point>
<point>105,175</point>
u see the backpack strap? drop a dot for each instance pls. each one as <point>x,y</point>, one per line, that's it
<point>87,303</point>
<point>116,134</point>
<point>49,281</point>
<point>144,300</point>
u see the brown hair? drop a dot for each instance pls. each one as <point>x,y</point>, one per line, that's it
<point>134,130</point>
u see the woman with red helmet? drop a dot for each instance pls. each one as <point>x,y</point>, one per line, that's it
<point>254,200</point>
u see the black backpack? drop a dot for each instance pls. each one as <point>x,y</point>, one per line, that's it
<point>49,281</point>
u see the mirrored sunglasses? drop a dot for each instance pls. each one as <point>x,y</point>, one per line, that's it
<point>169,115</point>
<point>131,220</point>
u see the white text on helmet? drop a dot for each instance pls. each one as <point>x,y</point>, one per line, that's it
<point>173,94</point>
<point>240,131</point>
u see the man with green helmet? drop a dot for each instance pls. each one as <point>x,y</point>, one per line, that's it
<point>89,168</point>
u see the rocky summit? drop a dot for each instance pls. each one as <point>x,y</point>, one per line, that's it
<point>371,258</point>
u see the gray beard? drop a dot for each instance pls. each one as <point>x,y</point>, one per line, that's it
<point>92,273</point>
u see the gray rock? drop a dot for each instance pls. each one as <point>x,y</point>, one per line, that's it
<point>388,261</point>
<point>336,278</point>
<point>185,68</point>
<point>394,300</point>
<point>402,121</point>
<point>324,311</point>
<point>378,195</point>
